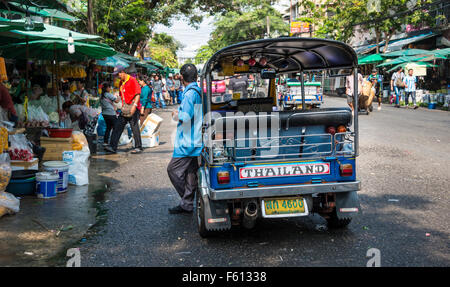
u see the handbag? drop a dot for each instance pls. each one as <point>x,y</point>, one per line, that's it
<point>399,83</point>
<point>126,109</point>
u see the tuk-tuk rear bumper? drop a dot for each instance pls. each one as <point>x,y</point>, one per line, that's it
<point>285,190</point>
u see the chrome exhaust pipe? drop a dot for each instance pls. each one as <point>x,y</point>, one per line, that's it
<point>250,214</point>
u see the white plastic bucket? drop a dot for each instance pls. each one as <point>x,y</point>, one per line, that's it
<point>46,184</point>
<point>62,168</point>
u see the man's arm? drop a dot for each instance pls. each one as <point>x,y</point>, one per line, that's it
<point>135,103</point>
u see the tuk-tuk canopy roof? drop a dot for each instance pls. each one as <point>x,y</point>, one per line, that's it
<point>288,54</point>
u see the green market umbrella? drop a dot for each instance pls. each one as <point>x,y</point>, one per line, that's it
<point>412,64</point>
<point>43,12</point>
<point>408,52</point>
<point>155,63</point>
<point>127,57</point>
<point>433,57</point>
<point>54,32</point>
<point>442,52</point>
<point>113,61</point>
<point>54,4</point>
<point>150,68</point>
<point>370,59</point>
<point>7,26</point>
<point>48,49</point>
<point>400,60</point>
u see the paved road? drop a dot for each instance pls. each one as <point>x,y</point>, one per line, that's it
<point>405,172</point>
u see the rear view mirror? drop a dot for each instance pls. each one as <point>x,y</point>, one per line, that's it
<point>268,74</point>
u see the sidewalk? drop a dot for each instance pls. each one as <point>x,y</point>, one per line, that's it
<point>31,237</point>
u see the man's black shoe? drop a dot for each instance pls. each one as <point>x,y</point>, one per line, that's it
<point>110,149</point>
<point>178,209</point>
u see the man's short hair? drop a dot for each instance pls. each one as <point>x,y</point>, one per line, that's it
<point>189,73</point>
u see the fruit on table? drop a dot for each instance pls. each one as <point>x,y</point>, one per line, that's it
<point>20,154</point>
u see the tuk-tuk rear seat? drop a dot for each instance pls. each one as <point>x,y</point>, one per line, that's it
<point>326,117</point>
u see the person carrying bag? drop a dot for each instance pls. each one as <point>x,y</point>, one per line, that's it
<point>130,92</point>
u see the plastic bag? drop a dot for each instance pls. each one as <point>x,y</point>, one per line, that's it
<point>9,204</point>
<point>78,166</point>
<point>21,148</point>
<point>5,171</point>
<point>80,139</point>
<point>101,126</point>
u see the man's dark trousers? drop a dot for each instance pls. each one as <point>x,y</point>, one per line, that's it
<point>183,175</point>
<point>120,126</point>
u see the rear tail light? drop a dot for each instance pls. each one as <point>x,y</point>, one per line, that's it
<point>346,169</point>
<point>223,177</point>
<point>341,129</point>
<point>331,130</point>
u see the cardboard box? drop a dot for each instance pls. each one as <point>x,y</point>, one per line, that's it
<point>25,165</point>
<point>151,141</point>
<point>54,147</point>
<point>152,122</point>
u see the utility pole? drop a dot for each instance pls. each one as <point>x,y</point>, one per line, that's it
<point>268,26</point>
<point>290,17</point>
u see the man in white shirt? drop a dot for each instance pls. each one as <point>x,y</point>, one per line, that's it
<point>410,82</point>
<point>349,85</point>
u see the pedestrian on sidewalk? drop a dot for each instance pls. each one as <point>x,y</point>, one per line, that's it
<point>130,92</point>
<point>171,89</point>
<point>377,82</point>
<point>157,85</point>
<point>107,101</point>
<point>410,82</point>
<point>397,85</point>
<point>183,167</point>
<point>178,88</point>
<point>146,97</point>
<point>349,85</point>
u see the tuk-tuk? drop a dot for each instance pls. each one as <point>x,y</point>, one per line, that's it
<point>292,95</point>
<point>262,162</point>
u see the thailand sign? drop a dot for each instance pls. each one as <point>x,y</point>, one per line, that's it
<point>282,170</point>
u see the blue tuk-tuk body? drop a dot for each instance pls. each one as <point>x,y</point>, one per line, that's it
<point>260,161</point>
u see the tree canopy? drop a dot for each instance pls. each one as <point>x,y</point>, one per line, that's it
<point>248,22</point>
<point>337,20</point>
<point>127,25</point>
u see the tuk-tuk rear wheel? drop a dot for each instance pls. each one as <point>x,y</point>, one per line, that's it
<point>335,222</point>
<point>200,216</point>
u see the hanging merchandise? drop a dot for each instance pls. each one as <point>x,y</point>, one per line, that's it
<point>70,71</point>
<point>3,74</point>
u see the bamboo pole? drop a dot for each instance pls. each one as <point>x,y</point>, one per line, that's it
<point>27,79</point>
<point>55,79</point>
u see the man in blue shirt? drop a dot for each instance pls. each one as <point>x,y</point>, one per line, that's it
<point>183,167</point>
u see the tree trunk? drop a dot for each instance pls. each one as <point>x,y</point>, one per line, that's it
<point>387,36</point>
<point>378,36</point>
<point>90,17</point>
<point>133,48</point>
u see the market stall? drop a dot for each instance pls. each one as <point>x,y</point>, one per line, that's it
<point>44,139</point>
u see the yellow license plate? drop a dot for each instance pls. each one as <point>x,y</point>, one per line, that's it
<point>284,207</point>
